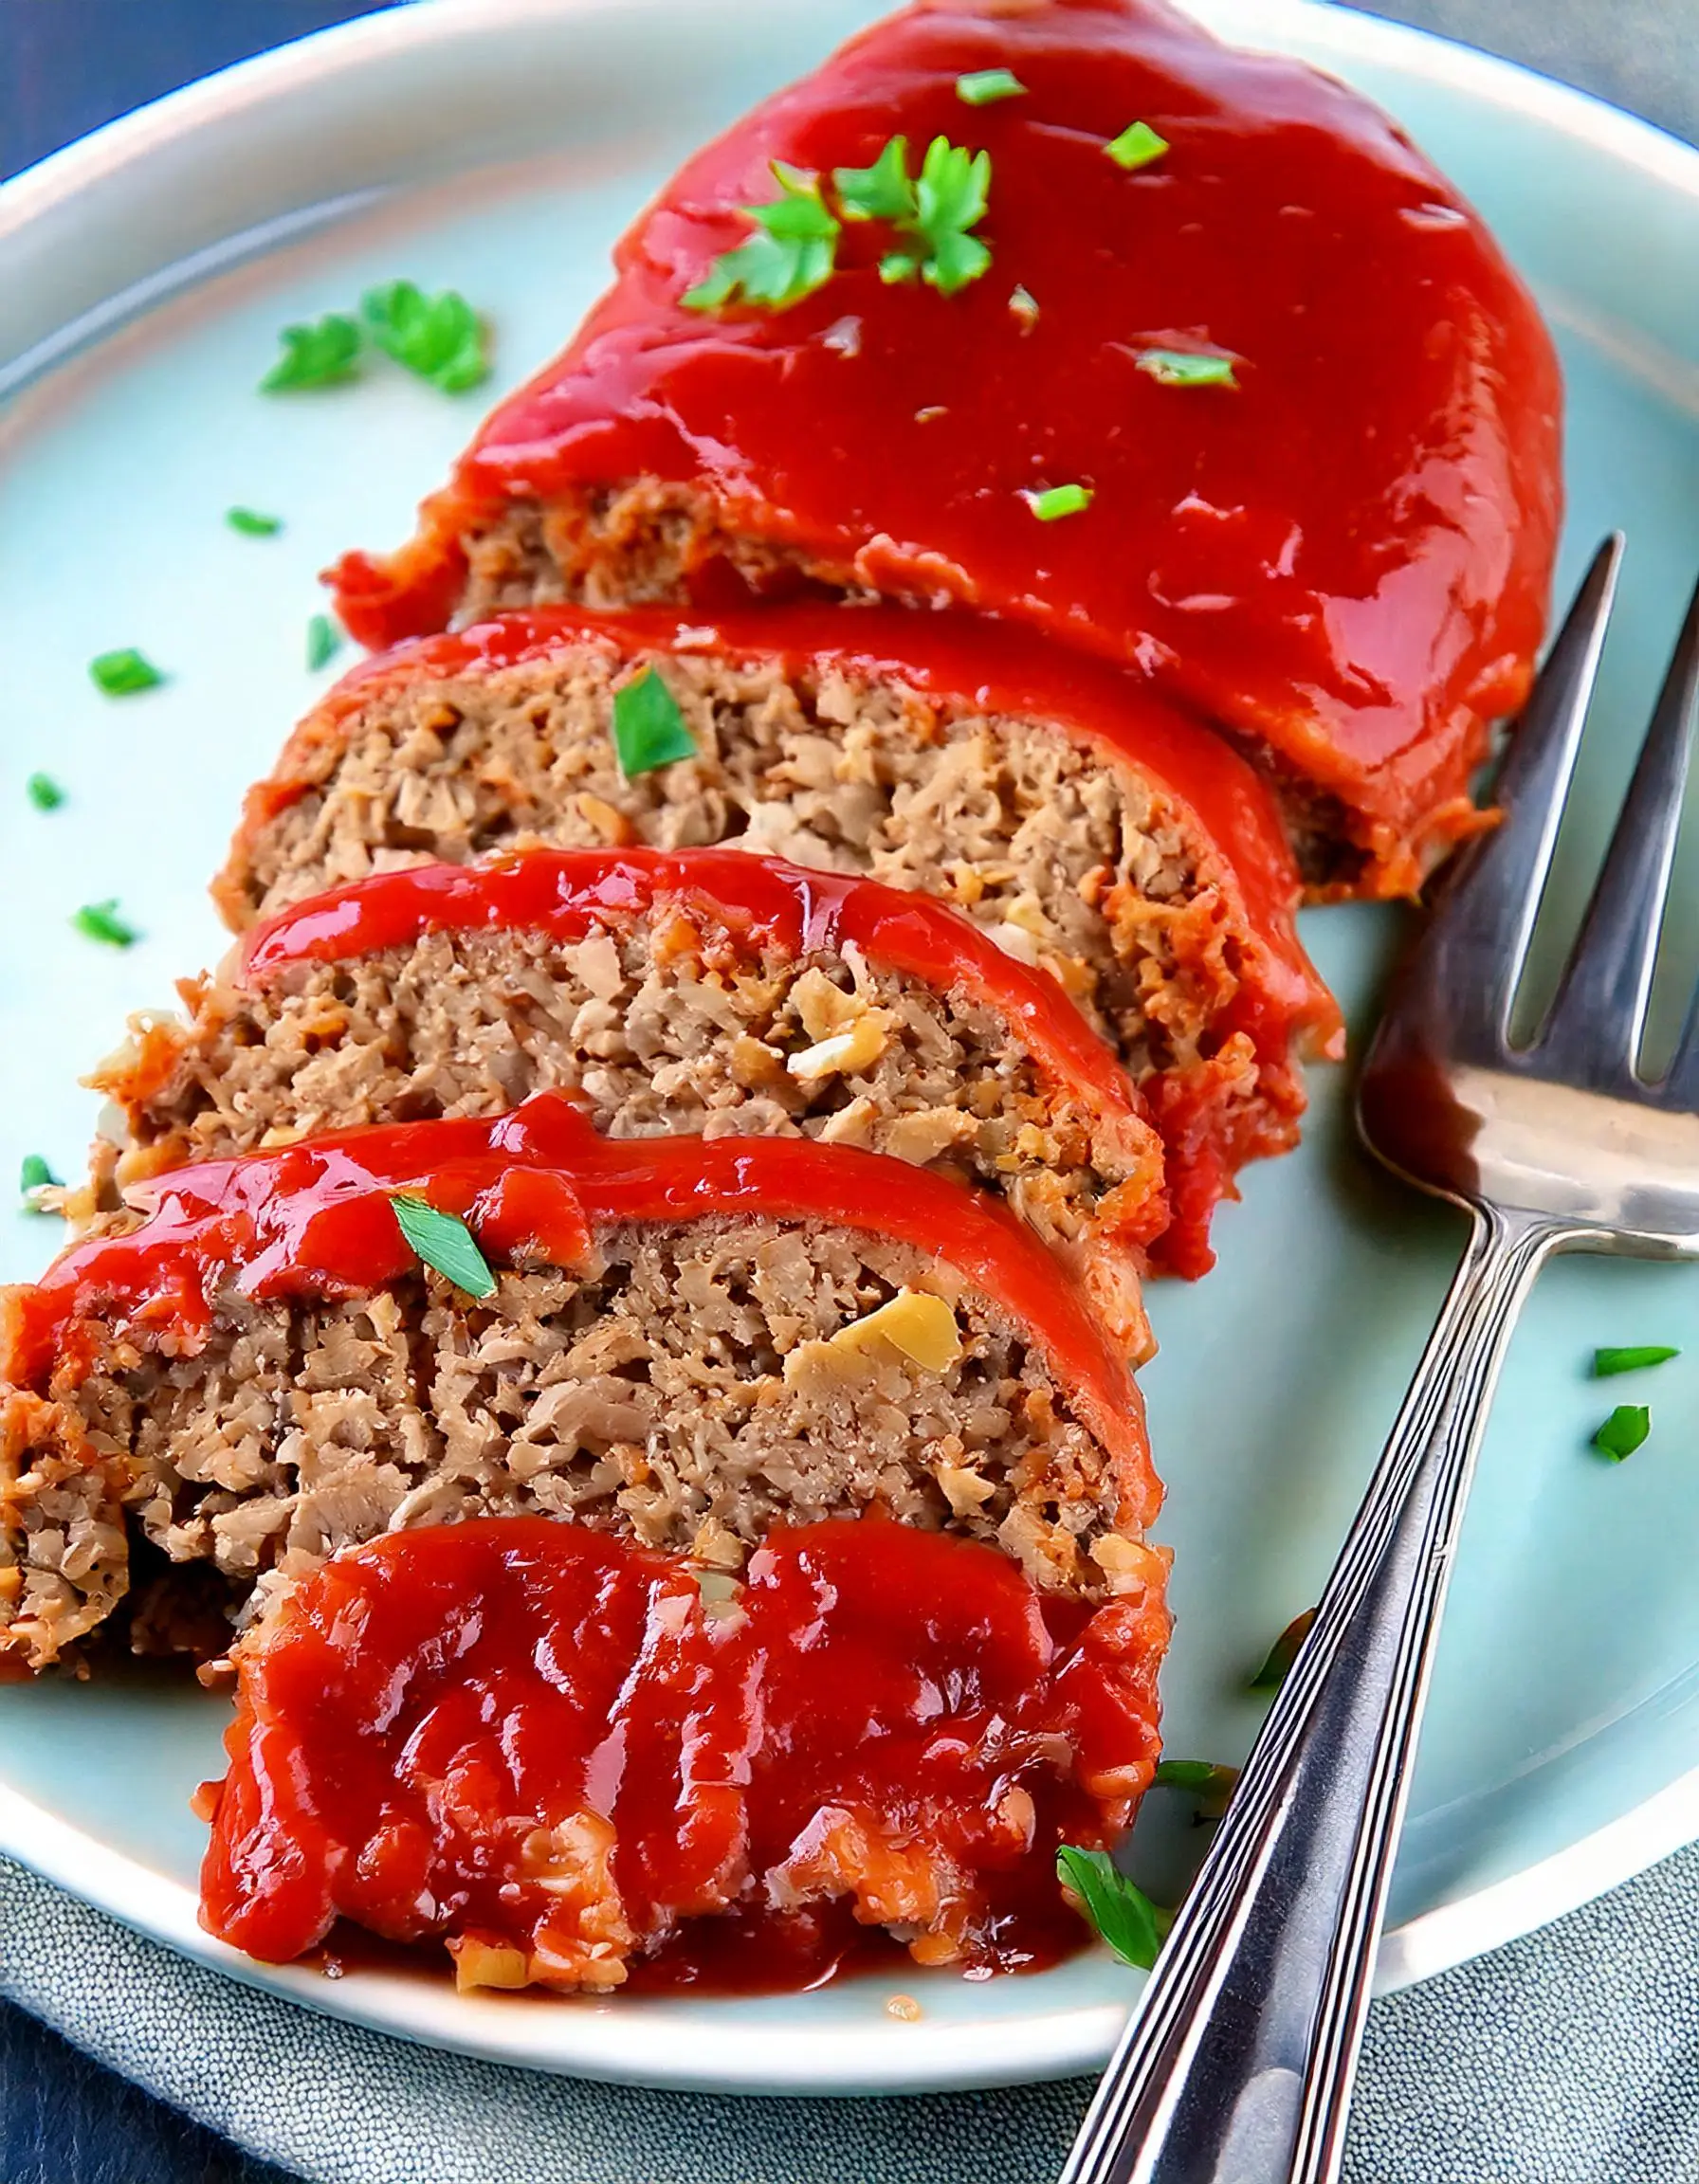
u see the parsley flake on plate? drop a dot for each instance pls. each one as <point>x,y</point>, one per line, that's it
<point>649,729</point>
<point>1184,368</point>
<point>121,674</point>
<point>1623,1432</point>
<point>323,355</point>
<point>101,921</point>
<point>252,523</point>
<point>1058,501</point>
<point>1121,1913</point>
<point>1136,147</point>
<point>438,338</point>
<point>792,252</point>
<point>983,86</point>
<point>324,641</point>
<point>43,792</point>
<point>444,1242</point>
<point>1210,1783</point>
<point>1607,1362</point>
<point>1283,1652</point>
<point>34,1176</point>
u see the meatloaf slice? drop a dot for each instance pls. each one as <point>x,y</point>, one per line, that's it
<point>1087,828</point>
<point>1298,415</point>
<point>556,1753</point>
<point>697,990</point>
<point>690,1340</point>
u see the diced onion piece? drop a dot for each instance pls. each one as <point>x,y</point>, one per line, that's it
<point>488,1964</point>
<point>844,1052</point>
<point>920,1325</point>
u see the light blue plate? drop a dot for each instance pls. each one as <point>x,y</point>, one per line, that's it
<point>497,146</point>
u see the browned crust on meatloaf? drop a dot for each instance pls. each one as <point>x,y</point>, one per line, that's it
<point>1067,858</point>
<point>685,1390</point>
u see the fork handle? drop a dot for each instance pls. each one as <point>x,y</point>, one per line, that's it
<point>1237,2064</point>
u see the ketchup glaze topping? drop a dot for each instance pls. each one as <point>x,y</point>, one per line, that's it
<point>1345,557</point>
<point>542,1745</point>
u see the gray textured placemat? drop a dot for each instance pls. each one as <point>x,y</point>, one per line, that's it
<point>1571,2057</point>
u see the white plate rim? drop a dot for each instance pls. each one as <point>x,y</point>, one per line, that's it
<point>927,2057</point>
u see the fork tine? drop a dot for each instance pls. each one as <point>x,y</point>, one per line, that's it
<point>1680,1086</point>
<point>1487,905</point>
<point>1596,1022</point>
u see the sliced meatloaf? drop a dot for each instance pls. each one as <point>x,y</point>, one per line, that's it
<point>695,990</point>
<point>556,1754</point>
<point>1058,805</point>
<point>1219,375</point>
<point>688,1340</point>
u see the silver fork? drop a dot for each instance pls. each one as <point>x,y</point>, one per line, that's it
<point>1237,2066</point>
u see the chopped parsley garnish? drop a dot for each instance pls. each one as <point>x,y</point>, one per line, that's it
<point>1283,1652</point>
<point>649,729</point>
<point>984,86</point>
<point>1122,1914</point>
<point>950,197</point>
<point>101,921</point>
<point>1058,501</point>
<point>1210,1783</point>
<point>43,792</point>
<point>1623,1432</point>
<point>1136,147</point>
<point>440,338</point>
<point>35,1177</point>
<point>252,524</point>
<point>1606,1362</point>
<point>319,355</point>
<point>881,191</point>
<point>792,252</point>
<point>1025,306</point>
<point>443,1241</point>
<point>1184,368</point>
<point>324,641</point>
<point>121,674</point>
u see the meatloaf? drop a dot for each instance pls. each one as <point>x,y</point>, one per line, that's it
<point>1057,804</point>
<point>688,1340</point>
<point>560,1754</point>
<point>1204,368</point>
<point>698,990</point>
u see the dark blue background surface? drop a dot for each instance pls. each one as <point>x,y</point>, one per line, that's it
<point>66,66</point>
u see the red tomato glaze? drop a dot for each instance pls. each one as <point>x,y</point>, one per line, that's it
<point>534,1737</point>
<point>314,1219</point>
<point>1345,558</point>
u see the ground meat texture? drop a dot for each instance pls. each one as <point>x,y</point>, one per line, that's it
<point>1071,858</point>
<point>644,543</point>
<point>660,1029</point>
<point>63,1549</point>
<point>686,1391</point>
